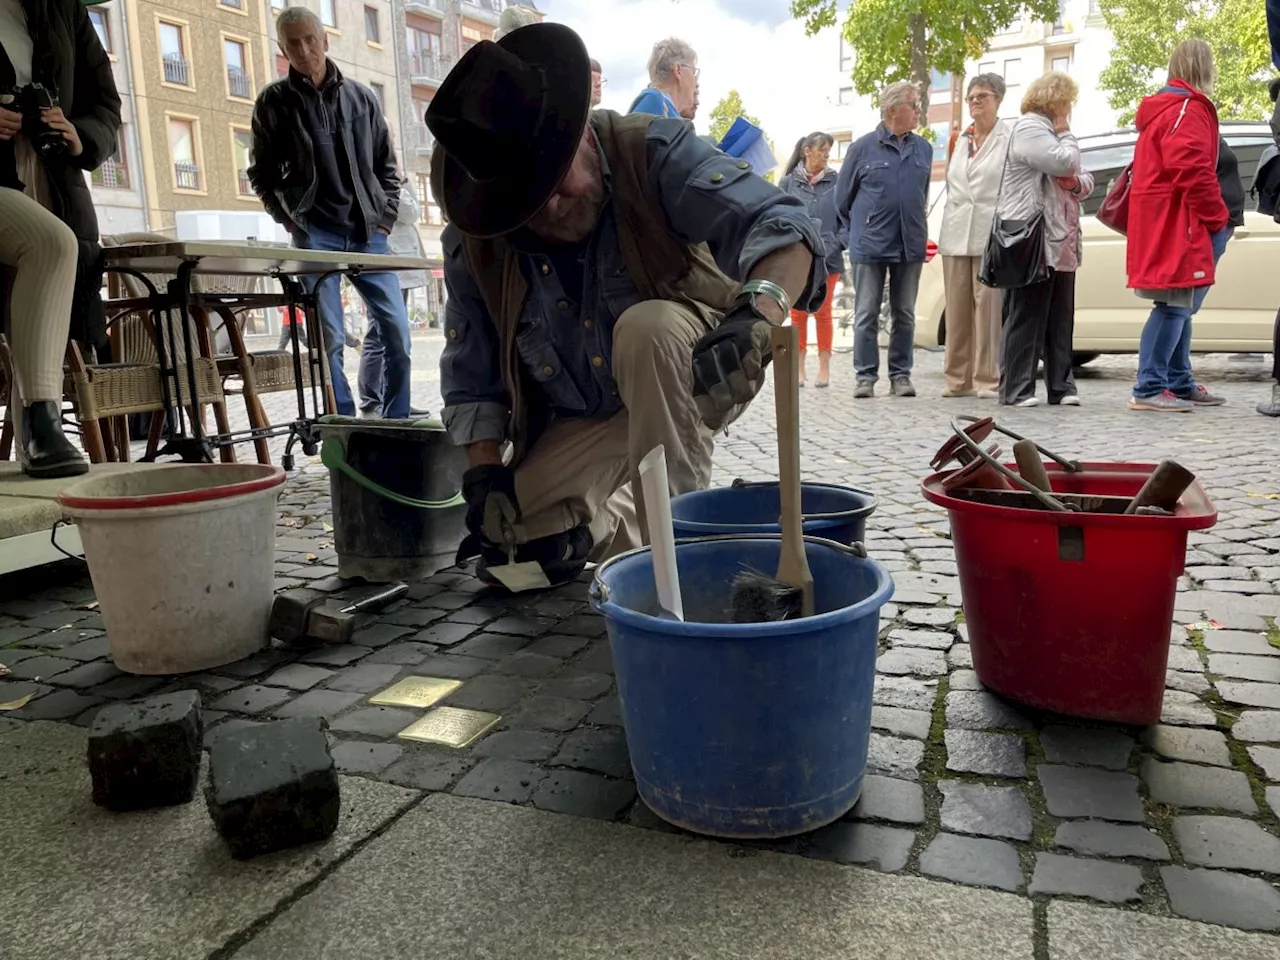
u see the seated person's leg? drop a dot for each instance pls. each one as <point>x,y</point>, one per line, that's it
<point>43,252</point>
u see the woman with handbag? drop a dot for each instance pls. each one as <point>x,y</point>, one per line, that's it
<point>1034,248</point>
<point>1178,227</point>
<point>973,182</point>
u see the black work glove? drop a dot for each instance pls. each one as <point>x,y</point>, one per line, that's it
<point>493,512</point>
<point>729,364</point>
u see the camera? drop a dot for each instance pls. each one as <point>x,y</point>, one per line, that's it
<point>29,101</point>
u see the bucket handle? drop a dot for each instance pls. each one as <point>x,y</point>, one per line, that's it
<point>598,592</point>
<point>741,484</point>
<point>334,456</point>
<point>1050,501</point>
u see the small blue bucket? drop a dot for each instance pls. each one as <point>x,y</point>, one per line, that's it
<point>830,512</point>
<point>750,731</point>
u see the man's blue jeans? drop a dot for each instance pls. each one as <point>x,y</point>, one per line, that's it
<point>381,294</point>
<point>370,379</point>
<point>1164,352</point>
<point>868,291</point>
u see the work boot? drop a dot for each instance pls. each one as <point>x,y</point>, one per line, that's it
<point>43,449</point>
<point>1271,409</point>
<point>903,387</point>
<point>865,390</point>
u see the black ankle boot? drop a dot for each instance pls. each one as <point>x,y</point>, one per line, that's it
<point>43,448</point>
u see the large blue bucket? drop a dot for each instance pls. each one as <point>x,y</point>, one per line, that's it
<point>755,730</point>
<point>831,512</point>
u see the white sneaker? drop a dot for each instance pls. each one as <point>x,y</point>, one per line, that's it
<point>1070,400</point>
<point>1029,402</point>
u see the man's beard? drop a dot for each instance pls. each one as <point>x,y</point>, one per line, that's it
<point>575,217</point>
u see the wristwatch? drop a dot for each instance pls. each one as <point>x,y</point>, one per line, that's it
<point>767,300</point>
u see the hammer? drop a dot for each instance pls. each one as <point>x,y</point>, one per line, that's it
<point>299,617</point>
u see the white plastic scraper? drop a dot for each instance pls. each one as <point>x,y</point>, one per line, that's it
<point>662,538</point>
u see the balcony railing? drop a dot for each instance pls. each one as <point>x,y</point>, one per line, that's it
<point>176,69</point>
<point>422,139</point>
<point>239,83</point>
<point>187,175</point>
<point>427,67</point>
<point>243,186</point>
<point>113,174</point>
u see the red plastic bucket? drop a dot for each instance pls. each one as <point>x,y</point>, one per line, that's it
<point>1071,612</point>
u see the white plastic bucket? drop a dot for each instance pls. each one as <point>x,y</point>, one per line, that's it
<point>182,562</point>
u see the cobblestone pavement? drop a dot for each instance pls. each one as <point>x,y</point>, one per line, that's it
<point>1179,819</point>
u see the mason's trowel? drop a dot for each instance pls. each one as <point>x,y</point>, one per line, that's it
<point>518,577</point>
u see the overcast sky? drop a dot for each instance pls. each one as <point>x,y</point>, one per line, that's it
<point>751,45</point>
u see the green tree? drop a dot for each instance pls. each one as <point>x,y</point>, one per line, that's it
<point>1146,31</point>
<point>729,109</point>
<point>896,40</point>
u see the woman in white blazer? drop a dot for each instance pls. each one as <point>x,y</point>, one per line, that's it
<point>973,183</point>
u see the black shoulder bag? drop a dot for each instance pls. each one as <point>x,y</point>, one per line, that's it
<point>1016,253</point>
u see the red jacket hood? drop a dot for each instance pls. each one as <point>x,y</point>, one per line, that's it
<point>1176,95</point>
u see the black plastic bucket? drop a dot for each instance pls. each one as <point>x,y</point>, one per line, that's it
<point>398,512</point>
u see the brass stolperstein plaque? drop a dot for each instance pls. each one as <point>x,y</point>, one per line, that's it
<point>451,726</point>
<point>418,692</point>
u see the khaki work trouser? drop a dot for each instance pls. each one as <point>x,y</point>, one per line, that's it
<point>973,327</point>
<point>587,471</point>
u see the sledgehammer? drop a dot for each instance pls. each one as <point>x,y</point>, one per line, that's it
<point>301,618</point>
<point>1163,488</point>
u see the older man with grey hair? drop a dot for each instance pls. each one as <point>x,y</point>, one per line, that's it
<point>881,197</point>
<point>673,81</point>
<point>324,169</point>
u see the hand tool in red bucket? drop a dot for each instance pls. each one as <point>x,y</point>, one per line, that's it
<point>758,598</point>
<point>982,469</point>
<point>662,537</point>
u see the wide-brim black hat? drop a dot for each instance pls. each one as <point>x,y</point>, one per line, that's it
<point>508,120</point>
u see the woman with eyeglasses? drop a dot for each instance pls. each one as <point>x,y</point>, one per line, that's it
<point>973,182</point>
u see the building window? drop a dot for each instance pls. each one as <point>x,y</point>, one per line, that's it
<point>241,147</point>
<point>1061,64</point>
<point>941,136</point>
<point>1012,69</point>
<point>380,95</point>
<point>939,81</point>
<point>98,17</point>
<point>371,32</point>
<point>329,13</point>
<point>173,54</point>
<point>845,96</point>
<point>987,66</point>
<point>182,147</point>
<point>1015,26</point>
<point>424,54</point>
<point>239,82</point>
<point>114,172</point>
<point>846,57</point>
<point>470,37</point>
<point>233,4</point>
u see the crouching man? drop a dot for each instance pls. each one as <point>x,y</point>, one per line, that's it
<point>591,315</point>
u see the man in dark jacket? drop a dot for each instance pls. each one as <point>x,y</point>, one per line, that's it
<point>324,168</point>
<point>881,198</point>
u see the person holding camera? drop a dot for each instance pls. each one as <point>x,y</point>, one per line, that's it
<point>59,117</point>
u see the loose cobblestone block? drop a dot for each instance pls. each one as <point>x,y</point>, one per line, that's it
<point>888,848</point>
<point>374,721</point>
<point>551,713</point>
<point>1085,792</point>
<point>1098,839</point>
<point>977,863</point>
<point>530,745</point>
<point>358,757</point>
<point>905,723</point>
<point>993,754</point>
<point>318,703</point>
<point>1087,747</point>
<point>146,754</point>
<point>1096,879</point>
<point>904,692</point>
<point>924,639</point>
<point>1236,641</point>
<point>984,810</point>
<point>1187,785</point>
<point>1227,842</point>
<point>1241,667</point>
<point>894,756</point>
<point>584,794</point>
<point>272,786</point>
<point>1215,896</point>
<point>1189,743</point>
<point>886,798</point>
<point>1257,726</point>
<point>511,781</point>
<point>983,711</point>
<point>912,661</point>
<point>1268,759</point>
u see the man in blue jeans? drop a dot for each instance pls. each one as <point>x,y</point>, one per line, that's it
<point>324,168</point>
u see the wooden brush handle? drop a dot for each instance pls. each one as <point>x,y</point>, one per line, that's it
<point>793,564</point>
<point>1030,466</point>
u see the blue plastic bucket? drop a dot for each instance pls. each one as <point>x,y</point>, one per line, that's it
<point>830,512</point>
<point>751,731</point>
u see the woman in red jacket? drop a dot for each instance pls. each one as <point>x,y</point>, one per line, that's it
<point>1175,209</point>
